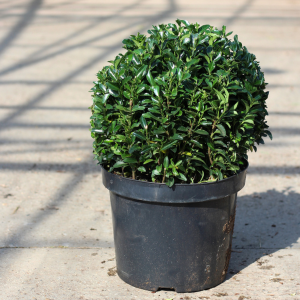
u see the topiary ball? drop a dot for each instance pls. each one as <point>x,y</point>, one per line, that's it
<point>183,105</point>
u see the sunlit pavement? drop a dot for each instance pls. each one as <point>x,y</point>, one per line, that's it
<point>56,233</point>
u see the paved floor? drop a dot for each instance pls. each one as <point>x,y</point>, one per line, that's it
<point>56,234</point>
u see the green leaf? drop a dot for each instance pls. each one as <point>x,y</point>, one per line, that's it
<point>260,141</point>
<point>222,152</point>
<point>124,81</point>
<point>174,91</point>
<point>170,181</point>
<point>192,62</point>
<point>211,146</point>
<point>179,75</point>
<point>128,42</point>
<point>171,35</point>
<point>97,130</point>
<point>155,172</point>
<point>178,163</point>
<point>137,124</point>
<point>160,130</point>
<point>146,149</point>
<point>222,129</point>
<point>97,108</point>
<point>102,87</point>
<point>208,83</point>
<point>112,86</point>
<point>220,143</point>
<point>141,72</point>
<point>218,57</point>
<point>234,87</point>
<point>156,102</point>
<point>181,128</point>
<point>120,107</point>
<point>148,115</point>
<point>140,89</point>
<point>209,49</point>
<point>174,112</point>
<point>104,98</point>
<point>177,137</point>
<point>168,145</point>
<point>156,90</point>
<point>121,137</point>
<point>121,71</point>
<point>182,177</point>
<point>159,168</point>
<point>150,78</point>
<point>269,134</point>
<point>203,28</point>
<point>130,160</point>
<point>201,131</point>
<point>185,76</point>
<point>174,171</point>
<point>142,169</point>
<point>196,143</point>
<point>197,158</point>
<point>203,39</point>
<point>138,51</point>
<point>143,122</point>
<point>186,23</point>
<point>185,39</point>
<point>116,128</point>
<point>126,94</point>
<point>139,135</point>
<point>153,110</point>
<point>221,165</point>
<point>166,162</point>
<point>113,93</point>
<point>119,164</point>
<point>147,161</point>
<point>211,66</point>
<point>220,175</point>
<point>206,123</point>
<point>135,59</point>
<point>134,148</point>
<point>112,75</point>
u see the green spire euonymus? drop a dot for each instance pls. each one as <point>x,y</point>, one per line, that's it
<point>183,105</point>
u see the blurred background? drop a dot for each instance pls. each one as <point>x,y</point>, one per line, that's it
<point>50,51</point>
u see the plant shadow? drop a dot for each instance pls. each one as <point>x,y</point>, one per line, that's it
<point>265,223</point>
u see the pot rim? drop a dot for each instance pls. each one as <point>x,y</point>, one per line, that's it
<point>179,193</point>
<point>180,184</point>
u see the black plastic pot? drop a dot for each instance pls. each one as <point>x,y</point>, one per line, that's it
<point>176,238</point>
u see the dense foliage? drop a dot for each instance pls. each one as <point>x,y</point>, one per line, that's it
<point>182,105</point>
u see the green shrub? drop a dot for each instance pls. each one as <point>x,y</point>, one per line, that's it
<point>183,105</point>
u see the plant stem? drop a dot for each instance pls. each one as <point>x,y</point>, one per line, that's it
<point>209,156</point>
<point>211,135</point>
<point>133,174</point>
<point>181,150</point>
<point>188,164</point>
<point>163,180</point>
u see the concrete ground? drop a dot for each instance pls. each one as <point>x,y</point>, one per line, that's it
<point>56,234</point>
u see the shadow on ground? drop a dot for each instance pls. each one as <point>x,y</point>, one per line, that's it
<point>265,222</point>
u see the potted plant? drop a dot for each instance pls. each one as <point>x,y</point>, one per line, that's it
<point>172,121</point>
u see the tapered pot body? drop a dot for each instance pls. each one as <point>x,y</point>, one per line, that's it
<point>176,238</point>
